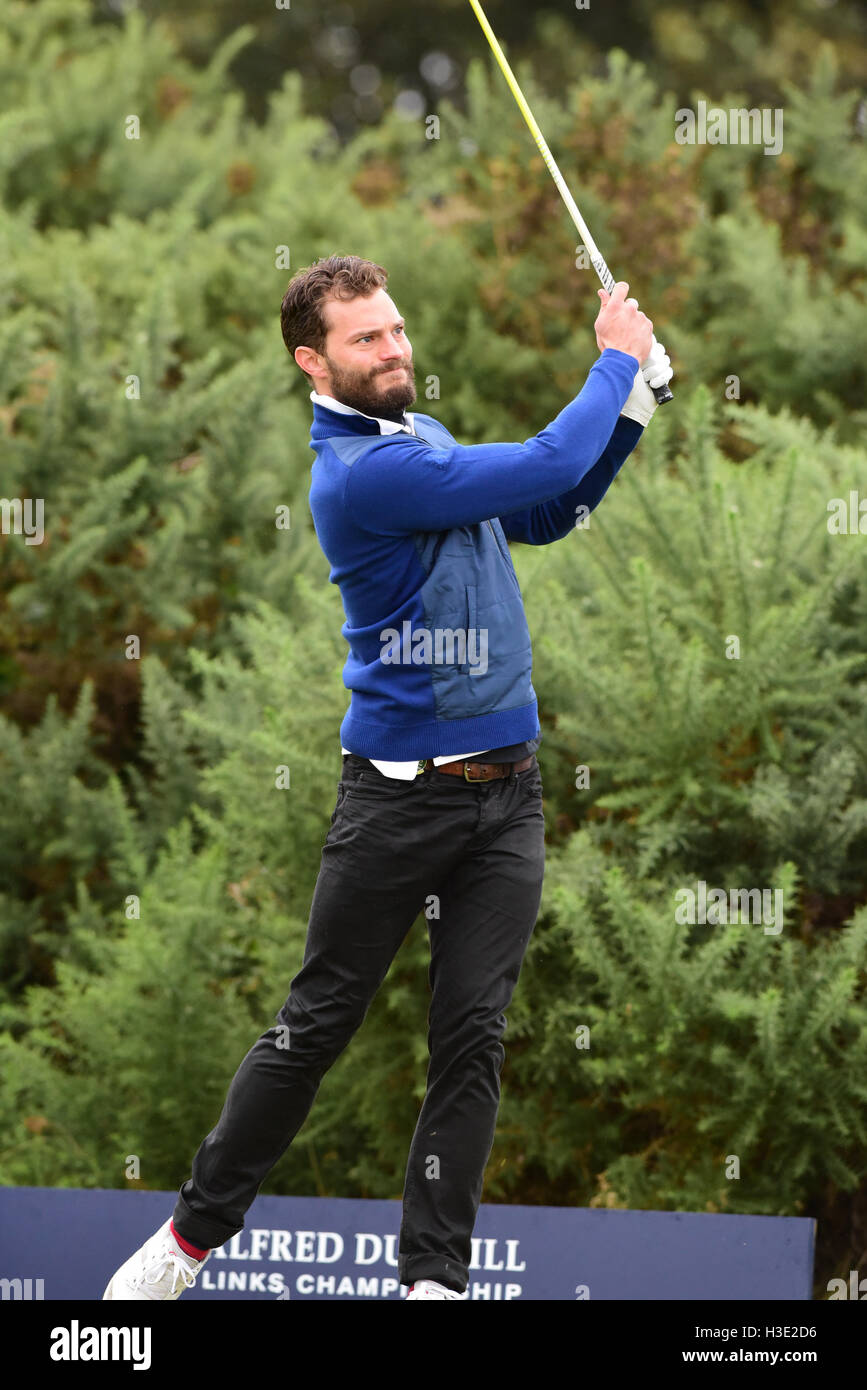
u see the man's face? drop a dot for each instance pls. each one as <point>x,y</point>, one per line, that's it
<point>367,363</point>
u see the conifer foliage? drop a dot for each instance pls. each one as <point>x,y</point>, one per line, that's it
<point>170,653</point>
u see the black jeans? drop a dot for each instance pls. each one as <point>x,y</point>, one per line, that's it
<point>480,849</point>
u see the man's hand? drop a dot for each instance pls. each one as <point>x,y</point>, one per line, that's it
<point>621,324</point>
<point>655,370</point>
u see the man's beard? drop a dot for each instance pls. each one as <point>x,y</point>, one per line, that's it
<point>362,391</point>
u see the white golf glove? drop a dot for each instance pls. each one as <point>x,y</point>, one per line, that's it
<point>655,370</point>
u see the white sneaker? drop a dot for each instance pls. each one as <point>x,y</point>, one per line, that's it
<point>429,1288</point>
<point>160,1269</point>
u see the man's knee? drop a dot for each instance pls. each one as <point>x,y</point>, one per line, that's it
<point>317,1033</point>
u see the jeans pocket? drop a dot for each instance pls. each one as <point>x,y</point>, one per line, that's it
<point>338,805</point>
<point>371,785</point>
<point>530,781</point>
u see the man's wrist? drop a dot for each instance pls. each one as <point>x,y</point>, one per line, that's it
<point>620,353</point>
<point>641,402</point>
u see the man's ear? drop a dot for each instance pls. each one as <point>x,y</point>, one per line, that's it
<point>309,361</point>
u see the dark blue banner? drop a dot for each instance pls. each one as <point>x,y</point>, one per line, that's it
<point>67,1243</point>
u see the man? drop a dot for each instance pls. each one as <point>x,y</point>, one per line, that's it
<point>440,799</point>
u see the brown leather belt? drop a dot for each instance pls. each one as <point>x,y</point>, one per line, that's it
<point>488,771</point>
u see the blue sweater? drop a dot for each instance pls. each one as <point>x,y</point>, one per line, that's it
<point>416,527</point>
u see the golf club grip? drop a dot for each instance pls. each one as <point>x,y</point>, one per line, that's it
<point>662,394</point>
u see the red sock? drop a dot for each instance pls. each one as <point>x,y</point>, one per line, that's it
<point>185,1245</point>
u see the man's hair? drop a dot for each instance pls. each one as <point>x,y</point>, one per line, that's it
<point>302,319</point>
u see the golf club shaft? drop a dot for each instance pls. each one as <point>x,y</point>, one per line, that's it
<point>597,260</point>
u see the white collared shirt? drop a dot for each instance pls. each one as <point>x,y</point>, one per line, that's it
<point>405,770</point>
<point>385,426</point>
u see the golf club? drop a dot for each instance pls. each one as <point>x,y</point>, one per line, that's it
<point>662,393</point>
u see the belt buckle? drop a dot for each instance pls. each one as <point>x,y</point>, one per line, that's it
<point>476,779</point>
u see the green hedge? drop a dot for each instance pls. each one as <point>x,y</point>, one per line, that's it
<point>155,883</point>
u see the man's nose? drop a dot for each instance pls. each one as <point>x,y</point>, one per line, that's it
<point>393,352</point>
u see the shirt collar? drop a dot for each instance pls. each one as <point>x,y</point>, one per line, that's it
<point>385,426</point>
